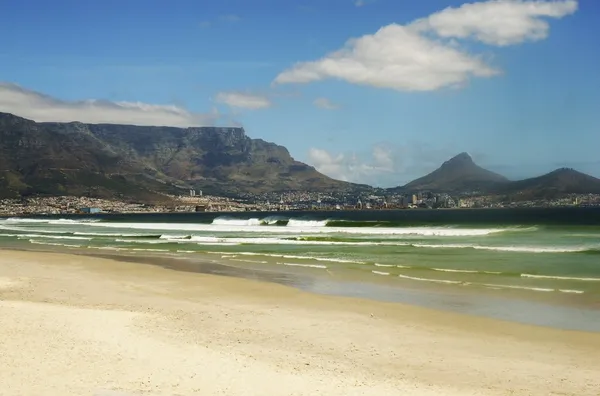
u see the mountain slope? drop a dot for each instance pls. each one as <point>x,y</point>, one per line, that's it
<point>64,159</point>
<point>134,161</point>
<point>554,184</point>
<point>458,174</point>
<point>216,160</point>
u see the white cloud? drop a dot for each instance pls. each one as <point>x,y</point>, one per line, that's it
<point>394,57</point>
<point>326,104</point>
<point>384,165</point>
<point>243,100</point>
<point>423,55</point>
<point>43,108</point>
<point>352,166</point>
<point>499,22</point>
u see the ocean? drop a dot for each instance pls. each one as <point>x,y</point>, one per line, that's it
<point>538,266</point>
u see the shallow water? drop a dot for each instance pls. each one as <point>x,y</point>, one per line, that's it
<point>549,257</point>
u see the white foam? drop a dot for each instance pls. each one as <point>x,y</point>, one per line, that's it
<point>54,237</point>
<point>380,273</point>
<point>273,219</point>
<point>540,289</point>
<point>306,223</point>
<point>236,222</point>
<point>574,278</point>
<point>30,229</point>
<point>571,291</point>
<point>384,265</point>
<point>302,226</point>
<point>520,249</point>
<point>295,257</point>
<point>455,270</point>
<point>249,261</point>
<point>16,220</point>
<point>53,244</point>
<point>142,241</point>
<point>304,265</point>
<point>107,248</point>
<point>71,221</point>
<point>533,249</point>
<point>107,234</point>
<point>150,250</point>
<point>430,280</point>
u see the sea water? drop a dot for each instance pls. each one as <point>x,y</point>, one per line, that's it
<point>538,256</point>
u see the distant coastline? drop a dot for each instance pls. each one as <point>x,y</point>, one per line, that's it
<point>72,205</point>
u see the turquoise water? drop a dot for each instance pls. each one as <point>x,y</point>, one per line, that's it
<point>539,266</point>
<point>546,252</point>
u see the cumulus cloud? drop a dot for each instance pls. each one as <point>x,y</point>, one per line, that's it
<point>394,57</point>
<point>243,100</point>
<point>499,22</point>
<point>326,104</point>
<point>383,165</point>
<point>424,55</point>
<point>352,166</point>
<point>43,108</point>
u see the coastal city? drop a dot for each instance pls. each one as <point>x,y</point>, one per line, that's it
<point>288,201</point>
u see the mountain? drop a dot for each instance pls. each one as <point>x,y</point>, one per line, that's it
<point>458,174</point>
<point>142,162</point>
<point>554,184</point>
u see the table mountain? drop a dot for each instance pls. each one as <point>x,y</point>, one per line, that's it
<point>139,161</point>
<point>458,174</point>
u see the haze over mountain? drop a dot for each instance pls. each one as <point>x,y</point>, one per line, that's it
<point>558,182</point>
<point>458,174</point>
<point>136,161</point>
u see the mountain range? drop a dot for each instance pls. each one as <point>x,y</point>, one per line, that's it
<point>145,163</point>
<point>461,174</point>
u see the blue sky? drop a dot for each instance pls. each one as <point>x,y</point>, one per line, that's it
<point>514,83</point>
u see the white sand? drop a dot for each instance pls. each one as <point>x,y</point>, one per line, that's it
<point>85,326</point>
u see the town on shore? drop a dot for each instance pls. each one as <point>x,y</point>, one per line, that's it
<point>290,201</point>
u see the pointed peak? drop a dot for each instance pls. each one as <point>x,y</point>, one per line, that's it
<point>462,158</point>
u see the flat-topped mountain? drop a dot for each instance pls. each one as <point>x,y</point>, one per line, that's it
<point>458,174</point>
<point>138,161</point>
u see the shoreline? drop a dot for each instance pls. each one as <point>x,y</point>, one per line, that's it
<point>521,307</point>
<point>128,328</point>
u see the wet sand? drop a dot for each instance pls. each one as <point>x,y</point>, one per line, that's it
<point>76,325</point>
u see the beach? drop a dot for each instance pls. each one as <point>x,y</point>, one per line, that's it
<point>77,325</point>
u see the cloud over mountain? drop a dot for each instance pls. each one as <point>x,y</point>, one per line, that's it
<point>43,108</point>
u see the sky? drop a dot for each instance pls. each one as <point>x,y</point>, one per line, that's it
<point>370,91</point>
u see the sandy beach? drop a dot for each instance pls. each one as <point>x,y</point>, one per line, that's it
<point>76,325</point>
